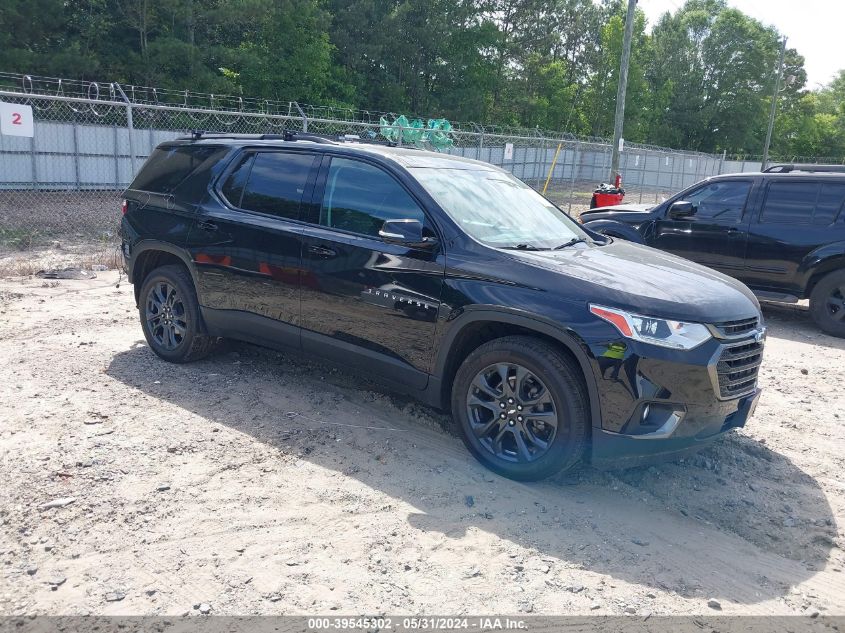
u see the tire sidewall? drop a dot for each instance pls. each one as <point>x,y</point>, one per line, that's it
<point>171,275</point>
<point>564,399</point>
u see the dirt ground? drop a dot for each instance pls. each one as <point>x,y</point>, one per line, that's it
<point>259,483</point>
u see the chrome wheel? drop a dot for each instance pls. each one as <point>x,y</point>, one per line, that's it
<point>511,412</point>
<point>165,315</point>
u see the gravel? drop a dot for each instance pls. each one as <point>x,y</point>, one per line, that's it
<point>378,520</point>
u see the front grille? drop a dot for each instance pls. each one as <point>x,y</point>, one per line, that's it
<point>738,367</point>
<point>731,329</point>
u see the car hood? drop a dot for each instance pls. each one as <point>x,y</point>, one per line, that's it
<point>642,279</point>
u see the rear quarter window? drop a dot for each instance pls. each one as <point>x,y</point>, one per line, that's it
<point>805,202</point>
<point>168,167</point>
<point>830,202</point>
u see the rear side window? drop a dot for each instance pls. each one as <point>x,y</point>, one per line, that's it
<point>168,167</point>
<point>721,201</point>
<point>803,203</point>
<point>360,197</point>
<point>276,183</point>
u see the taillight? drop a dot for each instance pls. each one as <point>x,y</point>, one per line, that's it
<point>123,207</point>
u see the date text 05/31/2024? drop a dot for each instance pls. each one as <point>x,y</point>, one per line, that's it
<point>416,623</point>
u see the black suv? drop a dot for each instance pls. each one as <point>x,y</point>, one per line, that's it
<point>781,231</point>
<point>448,279</point>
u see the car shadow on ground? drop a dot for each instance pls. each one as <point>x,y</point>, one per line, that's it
<point>737,521</point>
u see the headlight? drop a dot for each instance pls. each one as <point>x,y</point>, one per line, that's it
<point>663,332</point>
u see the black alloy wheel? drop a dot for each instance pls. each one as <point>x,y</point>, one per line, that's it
<point>170,316</point>
<point>165,314</point>
<point>521,406</point>
<point>512,413</point>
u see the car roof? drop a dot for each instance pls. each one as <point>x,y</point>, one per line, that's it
<point>785,175</point>
<point>407,157</point>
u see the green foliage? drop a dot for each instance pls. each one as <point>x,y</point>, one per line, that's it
<point>702,78</point>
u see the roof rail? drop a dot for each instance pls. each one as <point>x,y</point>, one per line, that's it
<point>785,169</point>
<point>288,135</point>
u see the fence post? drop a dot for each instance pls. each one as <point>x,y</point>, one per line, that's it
<point>130,125</point>
<point>76,153</point>
<point>480,144</point>
<point>34,162</point>
<point>131,129</point>
<point>657,179</point>
<point>672,186</point>
<point>304,117</point>
<point>642,174</point>
<point>575,159</point>
<point>116,157</point>
<point>541,162</point>
<point>722,161</point>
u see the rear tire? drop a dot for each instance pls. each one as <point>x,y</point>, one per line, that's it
<point>522,408</point>
<point>827,303</point>
<point>170,316</point>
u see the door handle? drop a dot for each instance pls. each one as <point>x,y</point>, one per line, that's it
<point>207,226</point>
<point>322,251</point>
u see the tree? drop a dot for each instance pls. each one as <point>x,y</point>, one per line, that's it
<point>286,54</point>
<point>701,80</point>
<point>715,65</point>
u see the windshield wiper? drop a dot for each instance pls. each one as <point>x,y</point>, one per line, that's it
<point>525,247</point>
<point>572,242</point>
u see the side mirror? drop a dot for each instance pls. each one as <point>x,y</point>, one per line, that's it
<point>681,210</point>
<point>405,232</point>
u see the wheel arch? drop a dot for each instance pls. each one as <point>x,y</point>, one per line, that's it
<point>149,255</point>
<point>476,327</point>
<point>614,228</point>
<point>817,265</point>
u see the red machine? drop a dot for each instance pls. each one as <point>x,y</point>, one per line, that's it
<point>608,195</point>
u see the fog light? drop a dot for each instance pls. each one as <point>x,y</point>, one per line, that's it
<point>656,420</point>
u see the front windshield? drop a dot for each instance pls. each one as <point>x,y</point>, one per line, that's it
<point>497,209</point>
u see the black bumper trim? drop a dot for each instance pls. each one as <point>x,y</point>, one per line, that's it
<point>616,450</point>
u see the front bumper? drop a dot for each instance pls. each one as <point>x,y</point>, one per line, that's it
<point>658,403</point>
<point>617,450</point>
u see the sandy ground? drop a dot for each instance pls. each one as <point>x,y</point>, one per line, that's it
<point>259,483</point>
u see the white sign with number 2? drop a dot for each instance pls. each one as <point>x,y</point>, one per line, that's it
<point>16,119</point>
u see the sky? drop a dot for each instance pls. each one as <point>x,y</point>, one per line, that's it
<point>813,27</point>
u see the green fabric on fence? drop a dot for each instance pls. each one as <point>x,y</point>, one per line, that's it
<point>434,134</point>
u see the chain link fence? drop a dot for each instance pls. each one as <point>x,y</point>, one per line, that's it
<point>64,184</point>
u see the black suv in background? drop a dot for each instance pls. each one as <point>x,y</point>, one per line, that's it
<point>448,279</point>
<point>781,232</point>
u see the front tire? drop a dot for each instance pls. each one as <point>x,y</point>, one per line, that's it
<point>522,408</point>
<point>827,303</point>
<point>170,316</point>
